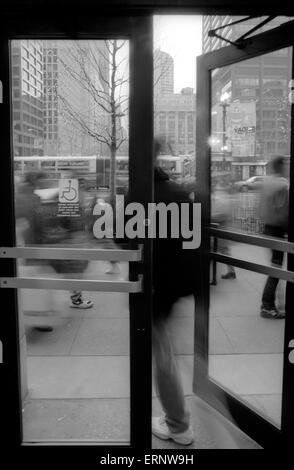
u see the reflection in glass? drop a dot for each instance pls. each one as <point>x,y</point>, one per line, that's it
<point>250,128</point>
<point>250,125</point>
<point>245,349</point>
<point>70,144</point>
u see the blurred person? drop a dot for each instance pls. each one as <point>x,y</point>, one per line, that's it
<point>107,243</point>
<point>221,210</point>
<point>274,212</point>
<point>173,277</point>
<point>68,230</point>
<point>25,202</point>
<point>39,208</point>
<point>27,205</point>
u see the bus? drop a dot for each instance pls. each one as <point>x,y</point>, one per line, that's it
<point>95,169</point>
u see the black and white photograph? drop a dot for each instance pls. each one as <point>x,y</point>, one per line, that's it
<point>147,230</point>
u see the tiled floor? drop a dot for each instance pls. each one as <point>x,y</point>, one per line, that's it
<point>78,375</point>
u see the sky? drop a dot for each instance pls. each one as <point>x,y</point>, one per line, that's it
<point>181,37</point>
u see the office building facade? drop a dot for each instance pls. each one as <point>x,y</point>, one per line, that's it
<point>67,102</point>
<point>258,90</point>
<point>174,113</point>
<point>27,97</point>
<point>174,118</point>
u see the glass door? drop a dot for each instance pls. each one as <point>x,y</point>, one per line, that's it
<point>244,155</point>
<point>81,291</point>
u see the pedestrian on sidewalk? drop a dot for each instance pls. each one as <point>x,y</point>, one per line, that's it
<point>66,230</point>
<point>173,277</point>
<point>274,211</point>
<point>221,213</point>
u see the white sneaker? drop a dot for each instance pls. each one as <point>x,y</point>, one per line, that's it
<point>81,304</point>
<point>160,429</point>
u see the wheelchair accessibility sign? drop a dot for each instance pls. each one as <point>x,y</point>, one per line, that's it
<point>68,205</point>
<point>68,190</point>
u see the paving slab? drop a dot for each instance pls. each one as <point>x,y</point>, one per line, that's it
<point>249,334</point>
<point>219,341</point>
<point>102,337</point>
<point>269,406</point>
<point>79,377</point>
<point>81,419</point>
<point>226,302</point>
<point>252,374</point>
<point>57,342</point>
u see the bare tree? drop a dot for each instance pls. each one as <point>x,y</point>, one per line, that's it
<point>100,71</point>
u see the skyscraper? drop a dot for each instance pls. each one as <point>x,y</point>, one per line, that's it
<point>174,117</point>
<point>67,100</point>
<point>163,73</point>
<point>27,97</point>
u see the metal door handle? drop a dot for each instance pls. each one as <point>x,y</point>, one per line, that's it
<point>71,284</point>
<point>71,253</point>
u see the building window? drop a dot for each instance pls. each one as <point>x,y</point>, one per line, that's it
<point>269,124</point>
<point>181,127</point>
<point>271,146</point>
<point>269,114</point>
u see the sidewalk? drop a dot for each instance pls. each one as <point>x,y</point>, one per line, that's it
<point>246,350</point>
<point>78,375</point>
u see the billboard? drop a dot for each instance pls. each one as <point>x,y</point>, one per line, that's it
<point>241,128</point>
<point>239,121</point>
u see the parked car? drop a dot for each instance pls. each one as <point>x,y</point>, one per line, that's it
<point>255,182</point>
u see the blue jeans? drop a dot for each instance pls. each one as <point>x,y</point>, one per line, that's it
<point>167,379</point>
<point>269,292</point>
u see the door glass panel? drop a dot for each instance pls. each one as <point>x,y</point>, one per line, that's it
<point>70,150</point>
<point>250,127</point>
<point>245,349</point>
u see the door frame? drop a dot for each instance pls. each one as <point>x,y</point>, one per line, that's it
<point>249,421</point>
<point>138,30</point>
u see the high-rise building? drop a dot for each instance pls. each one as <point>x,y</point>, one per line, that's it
<point>163,73</point>
<point>27,97</point>
<point>257,95</point>
<point>67,100</point>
